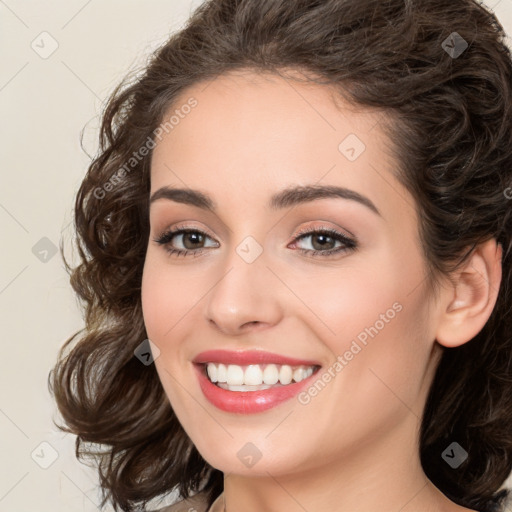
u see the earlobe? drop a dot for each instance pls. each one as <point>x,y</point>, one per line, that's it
<point>468,304</point>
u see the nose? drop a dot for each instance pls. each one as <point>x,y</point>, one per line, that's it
<point>245,297</point>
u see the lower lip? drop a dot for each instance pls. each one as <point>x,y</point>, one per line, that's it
<point>248,402</point>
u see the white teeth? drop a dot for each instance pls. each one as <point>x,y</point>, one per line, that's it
<point>212,372</point>
<point>270,374</point>
<point>285,374</point>
<point>235,375</point>
<point>221,373</point>
<point>243,388</point>
<point>299,374</point>
<point>254,376</point>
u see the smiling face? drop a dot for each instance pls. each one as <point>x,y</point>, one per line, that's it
<point>250,283</point>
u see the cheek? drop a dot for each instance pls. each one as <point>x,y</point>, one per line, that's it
<point>166,295</point>
<point>151,291</point>
<point>374,316</point>
<point>161,304</point>
<point>344,301</point>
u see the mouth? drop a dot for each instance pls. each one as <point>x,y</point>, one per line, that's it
<point>236,396</point>
<point>255,377</point>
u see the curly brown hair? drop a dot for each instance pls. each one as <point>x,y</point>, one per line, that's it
<point>452,138</point>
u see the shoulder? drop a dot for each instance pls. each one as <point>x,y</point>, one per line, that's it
<point>196,503</point>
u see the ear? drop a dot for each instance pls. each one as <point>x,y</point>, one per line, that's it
<point>469,302</point>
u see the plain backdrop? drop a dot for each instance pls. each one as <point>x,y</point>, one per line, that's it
<point>59,62</point>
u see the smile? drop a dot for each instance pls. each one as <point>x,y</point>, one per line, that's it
<point>225,386</point>
<point>244,378</point>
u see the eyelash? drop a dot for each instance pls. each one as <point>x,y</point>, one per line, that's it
<point>349,245</point>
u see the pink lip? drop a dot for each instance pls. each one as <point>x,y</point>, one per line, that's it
<point>247,402</point>
<point>245,357</point>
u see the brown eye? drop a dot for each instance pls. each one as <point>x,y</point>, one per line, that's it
<point>191,241</point>
<point>194,237</point>
<point>323,242</point>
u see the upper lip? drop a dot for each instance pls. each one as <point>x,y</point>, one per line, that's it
<point>246,357</point>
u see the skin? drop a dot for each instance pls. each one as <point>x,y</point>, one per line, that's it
<point>354,445</point>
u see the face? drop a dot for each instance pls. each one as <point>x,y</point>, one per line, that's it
<point>254,279</point>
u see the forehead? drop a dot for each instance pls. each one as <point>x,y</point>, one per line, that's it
<point>252,108</point>
<point>250,134</point>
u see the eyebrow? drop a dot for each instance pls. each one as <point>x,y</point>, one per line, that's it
<point>287,197</point>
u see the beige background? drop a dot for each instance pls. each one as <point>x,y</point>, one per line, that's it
<point>45,103</point>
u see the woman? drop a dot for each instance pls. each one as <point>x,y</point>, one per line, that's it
<point>296,264</point>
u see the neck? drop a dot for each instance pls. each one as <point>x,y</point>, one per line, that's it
<point>372,477</point>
